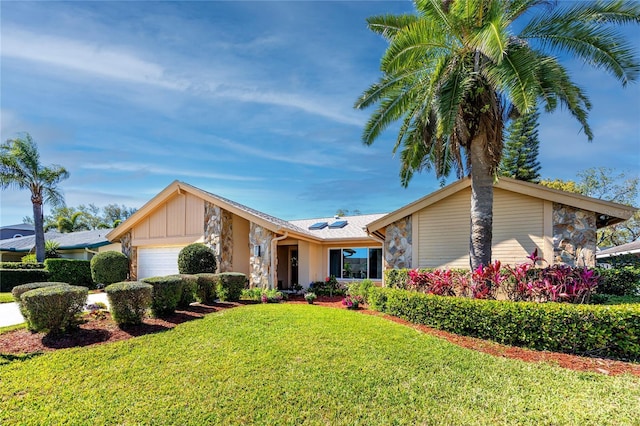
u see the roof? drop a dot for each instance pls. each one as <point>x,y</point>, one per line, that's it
<point>608,212</point>
<point>354,229</point>
<point>20,227</point>
<point>629,248</point>
<point>69,241</point>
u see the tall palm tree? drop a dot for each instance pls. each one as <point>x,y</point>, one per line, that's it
<point>20,168</point>
<point>455,70</point>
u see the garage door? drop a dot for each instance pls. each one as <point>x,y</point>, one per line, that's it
<point>155,261</point>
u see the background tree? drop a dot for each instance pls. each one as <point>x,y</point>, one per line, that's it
<point>20,168</point>
<point>85,217</point>
<point>520,156</point>
<point>607,184</point>
<point>453,70</point>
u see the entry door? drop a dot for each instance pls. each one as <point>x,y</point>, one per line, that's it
<point>293,262</point>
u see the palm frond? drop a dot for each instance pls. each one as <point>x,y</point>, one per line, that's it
<point>389,25</point>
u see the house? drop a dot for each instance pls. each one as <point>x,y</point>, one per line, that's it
<point>272,252</point>
<point>430,232</point>
<point>15,231</point>
<point>632,248</point>
<point>72,245</point>
<point>434,231</point>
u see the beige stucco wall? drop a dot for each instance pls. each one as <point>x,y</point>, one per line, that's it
<point>241,249</point>
<point>443,229</point>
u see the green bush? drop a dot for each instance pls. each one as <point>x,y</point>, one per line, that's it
<point>19,290</point>
<point>54,308</point>
<point>360,289</point>
<point>20,265</point>
<point>623,281</point>
<point>606,331</point>
<point>109,267</point>
<point>167,292</point>
<point>10,278</point>
<point>129,301</point>
<point>29,258</point>
<point>196,259</point>
<point>396,278</point>
<point>72,271</point>
<point>229,286</point>
<point>206,289</point>
<point>189,288</point>
<point>252,294</point>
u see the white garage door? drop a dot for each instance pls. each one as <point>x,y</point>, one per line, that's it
<point>155,261</point>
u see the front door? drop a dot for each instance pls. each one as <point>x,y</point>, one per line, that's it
<point>293,262</point>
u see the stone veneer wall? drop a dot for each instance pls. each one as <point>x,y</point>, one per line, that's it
<point>218,234</point>
<point>574,236</point>
<point>398,244</point>
<point>131,253</point>
<point>260,266</point>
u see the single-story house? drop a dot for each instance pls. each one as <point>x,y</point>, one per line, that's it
<point>430,232</point>
<point>16,231</point>
<point>628,248</point>
<point>73,245</point>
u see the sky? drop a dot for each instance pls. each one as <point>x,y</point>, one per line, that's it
<point>250,100</point>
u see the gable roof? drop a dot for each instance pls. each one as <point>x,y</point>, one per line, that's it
<point>628,248</point>
<point>69,241</point>
<point>608,212</point>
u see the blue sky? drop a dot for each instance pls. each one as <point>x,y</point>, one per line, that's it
<point>249,100</point>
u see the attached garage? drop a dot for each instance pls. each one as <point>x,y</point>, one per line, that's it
<point>154,261</point>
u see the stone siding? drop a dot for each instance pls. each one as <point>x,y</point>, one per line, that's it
<point>398,244</point>
<point>218,234</point>
<point>260,266</point>
<point>131,253</point>
<point>574,236</point>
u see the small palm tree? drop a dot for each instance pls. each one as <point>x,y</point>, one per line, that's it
<point>20,168</point>
<point>455,70</point>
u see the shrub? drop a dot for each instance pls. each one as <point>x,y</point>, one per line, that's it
<point>329,287</point>
<point>109,267</point>
<point>189,288</point>
<point>608,331</point>
<point>310,297</point>
<point>396,278</point>
<point>206,287</point>
<point>166,294</point>
<point>252,293</point>
<point>29,258</point>
<point>19,290</point>
<point>54,308</point>
<point>20,265</point>
<point>620,281</point>
<point>229,286</point>
<point>360,289</point>
<point>129,301</point>
<point>272,296</point>
<point>196,259</point>
<point>72,271</point>
<point>10,278</point>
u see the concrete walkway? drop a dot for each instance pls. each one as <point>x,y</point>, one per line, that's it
<point>10,314</point>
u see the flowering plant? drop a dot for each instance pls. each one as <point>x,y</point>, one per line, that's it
<point>352,302</point>
<point>310,297</point>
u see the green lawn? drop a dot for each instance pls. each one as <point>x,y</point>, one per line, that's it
<point>6,298</point>
<point>302,364</point>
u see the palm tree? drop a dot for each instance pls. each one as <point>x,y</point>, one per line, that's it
<point>455,70</point>
<point>20,168</point>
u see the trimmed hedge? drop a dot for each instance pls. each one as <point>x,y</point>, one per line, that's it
<point>167,292</point>
<point>189,287</point>
<point>129,301</point>
<point>54,308</point>
<point>196,258</point>
<point>19,290</point>
<point>206,288</point>
<point>619,281</point>
<point>10,278</point>
<point>229,286</point>
<point>606,331</point>
<point>109,267</point>
<point>72,271</point>
<point>20,265</point>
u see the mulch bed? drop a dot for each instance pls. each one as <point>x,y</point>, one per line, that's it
<point>101,331</point>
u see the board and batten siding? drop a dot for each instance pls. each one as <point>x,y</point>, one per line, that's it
<point>443,229</point>
<point>179,218</point>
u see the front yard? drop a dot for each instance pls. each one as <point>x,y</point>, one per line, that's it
<point>295,363</point>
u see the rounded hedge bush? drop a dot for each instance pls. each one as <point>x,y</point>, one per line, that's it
<point>189,287</point>
<point>54,308</point>
<point>129,301</point>
<point>19,290</point>
<point>109,267</point>
<point>230,285</point>
<point>206,290</point>
<point>167,292</point>
<point>196,259</point>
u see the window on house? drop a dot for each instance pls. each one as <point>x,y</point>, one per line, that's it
<point>356,263</point>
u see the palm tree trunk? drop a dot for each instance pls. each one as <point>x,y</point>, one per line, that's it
<point>481,203</point>
<point>39,228</point>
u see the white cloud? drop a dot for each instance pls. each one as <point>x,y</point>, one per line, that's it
<point>135,167</point>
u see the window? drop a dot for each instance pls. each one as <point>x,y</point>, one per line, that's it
<point>356,263</point>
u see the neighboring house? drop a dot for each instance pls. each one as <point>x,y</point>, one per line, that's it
<point>16,231</point>
<point>73,245</point>
<point>430,232</point>
<point>434,231</point>
<point>629,248</point>
<point>270,251</point>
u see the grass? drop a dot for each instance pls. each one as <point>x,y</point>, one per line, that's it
<point>9,328</point>
<point>302,364</point>
<point>6,298</point>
